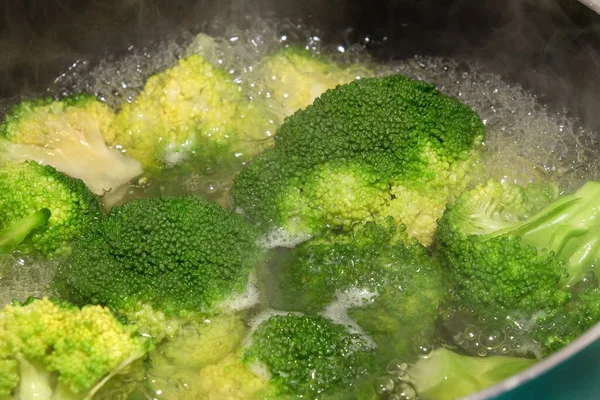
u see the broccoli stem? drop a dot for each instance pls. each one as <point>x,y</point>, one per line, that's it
<point>12,236</point>
<point>35,381</point>
<point>570,227</point>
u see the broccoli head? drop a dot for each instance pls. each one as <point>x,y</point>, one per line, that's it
<point>286,357</point>
<point>373,148</point>
<point>201,361</point>
<point>402,285</point>
<point>554,329</point>
<point>507,251</point>
<point>308,356</point>
<point>190,111</point>
<point>27,188</point>
<point>294,77</point>
<point>51,350</point>
<point>70,135</point>
<point>158,259</point>
<point>442,375</point>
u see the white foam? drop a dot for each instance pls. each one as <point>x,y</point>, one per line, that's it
<point>242,301</point>
<point>337,310</point>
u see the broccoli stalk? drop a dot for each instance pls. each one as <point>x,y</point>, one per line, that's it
<point>448,375</point>
<point>12,236</point>
<point>71,136</point>
<point>28,187</point>
<point>508,251</point>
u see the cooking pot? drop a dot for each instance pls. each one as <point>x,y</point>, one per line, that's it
<point>550,47</point>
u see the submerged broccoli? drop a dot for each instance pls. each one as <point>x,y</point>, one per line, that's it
<point>444,374</point>
<point>191,111</point>
<point>505,252</point>
<point>160,259</point>
<point>373,148</point>
<point>69,135</point>
<point>308,356</point>
<point>294,77</point>
<point>54,350</point>
<point>178,365</point>
<point>401,285</point>
<point>554,329</point>
<point>287,357</point>
<point>27,188</point>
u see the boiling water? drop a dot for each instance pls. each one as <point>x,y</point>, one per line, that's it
<point>525,143</point>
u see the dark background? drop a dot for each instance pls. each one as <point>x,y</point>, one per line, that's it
<point>552,47</point>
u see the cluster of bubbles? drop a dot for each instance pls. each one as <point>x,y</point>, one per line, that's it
<point>23,276</point>
<point>479,336</point>
<point>397,383</point>
<point>118,79</point>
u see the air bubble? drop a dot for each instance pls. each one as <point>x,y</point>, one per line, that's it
<point>404,391</point>
<point>492,338</point>
<point>384,385</point>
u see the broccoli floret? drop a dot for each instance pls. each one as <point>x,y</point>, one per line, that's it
<point>294,77</point>
<point>69,135</point>
<point>308,356</point>
<point>29,187</point>
<point>403,285</point>
<point>202,361</point>
<point>555,329</point>
<point>159,259</point>
<point>13,235</point>
<point>444,374</point>
<point>504,253</point>
<point>287,356</point>
<point>191,111</point>
<point>51,350</point>
<point>227,379</point>
<point>204,342</point>
<point>373,148</point>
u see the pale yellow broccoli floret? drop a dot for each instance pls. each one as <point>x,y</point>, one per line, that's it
<point>71,136</point>
<point>191,110</point>
<point>50,350</point>
<point>295,77</point>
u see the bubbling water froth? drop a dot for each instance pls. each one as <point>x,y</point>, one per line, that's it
<point>525,142</point>
<point>23,276</point>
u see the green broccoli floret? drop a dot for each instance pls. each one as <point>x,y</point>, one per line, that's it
<point>505,253</point>
<point>444,374</point>
<point>555,329</point>
<point>191,111</point>
<point>308,356</point>
<point>69,135</point>
<point>294,77</point>
<point>373,148</point>
<point>29,187</point>
<point>13,235</point>
<point>54,350</point>
<point>158,261</point>
<point>401,284</point>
